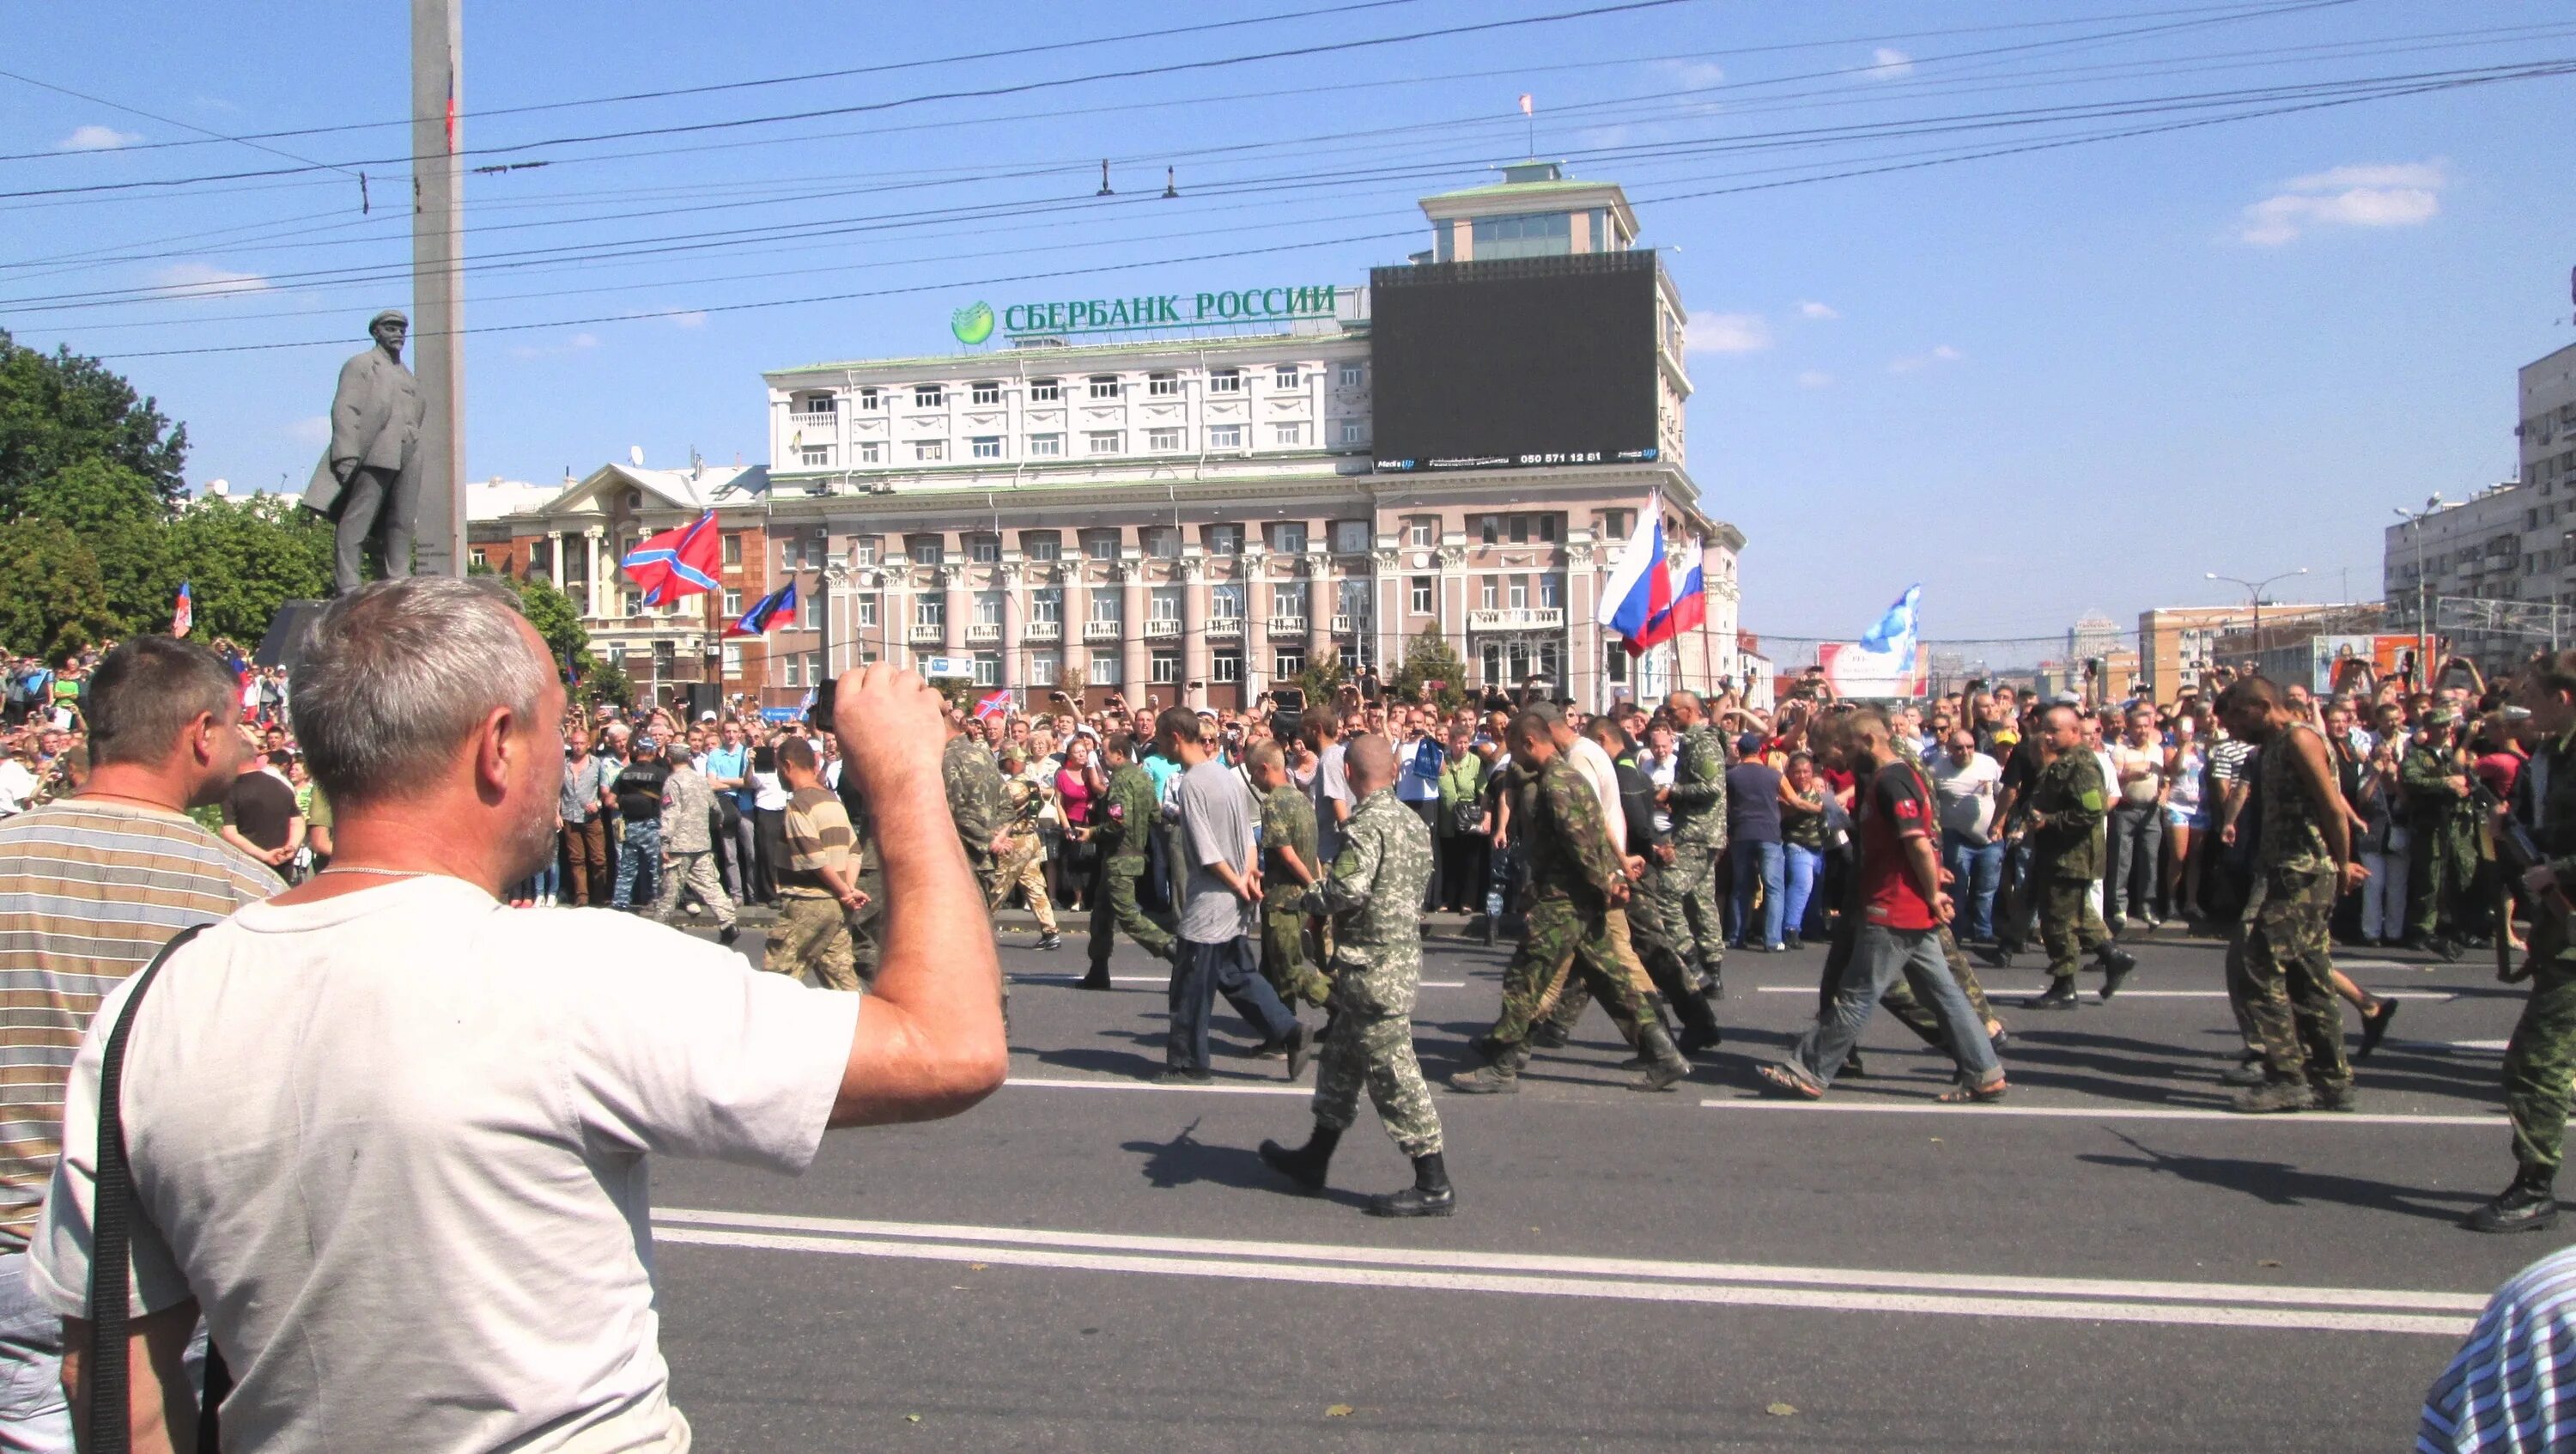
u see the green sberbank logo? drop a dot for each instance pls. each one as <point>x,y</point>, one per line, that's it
<point>972,323</point>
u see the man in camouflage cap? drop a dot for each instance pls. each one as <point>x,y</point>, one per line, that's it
<point>1686,889</point>
<point>2441,827</point>
<point>975,803</point>
<point>1374,894</point>
<point>2067,804</point>
<point>1288,868</point>
<point>1119,832</point>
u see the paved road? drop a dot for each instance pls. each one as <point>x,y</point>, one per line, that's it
<point>2106,1261</point>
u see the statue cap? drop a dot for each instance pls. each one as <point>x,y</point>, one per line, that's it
<point>396,314</point>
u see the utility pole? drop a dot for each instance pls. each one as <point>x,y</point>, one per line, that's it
<point>438,279</point>
<point>2255,589</point>
<point>2423,622</point>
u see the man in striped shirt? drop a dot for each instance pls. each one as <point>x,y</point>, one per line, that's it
<point>90,887</point>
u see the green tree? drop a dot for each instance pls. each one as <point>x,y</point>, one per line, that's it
<point>120,517</point>
<point>606,682</point>
<point>1323,673</point>
<point>245,558</point>
<point>59,409</point>
<point>55,603</point>
<point>1428,658</point>
<point>559,622</point>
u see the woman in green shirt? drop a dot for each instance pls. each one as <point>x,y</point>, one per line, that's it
<point>1802,838</point>
<point>1463,844</point>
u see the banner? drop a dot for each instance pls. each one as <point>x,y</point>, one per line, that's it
<point>1853,670</point>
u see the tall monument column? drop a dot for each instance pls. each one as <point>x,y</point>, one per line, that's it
<point>438,279</point>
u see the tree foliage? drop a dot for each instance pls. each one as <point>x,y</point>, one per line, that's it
<point>1428,658</point>
<point>243,560</point>
<point>60,409</point>
<point>55,603</point>
<point>1324,673</point>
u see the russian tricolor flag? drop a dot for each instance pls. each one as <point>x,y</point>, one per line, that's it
<point>1640,589</point>
<point>1690,600</point>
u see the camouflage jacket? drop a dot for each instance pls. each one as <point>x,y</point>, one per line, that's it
<point>1698,802</point>
<point>1287,821</point>
<point>1558,828</point>
<point>1120,825</point>
<point>974,797</point>
<point>1374,893</point>
<point>2422,772</point>
<point>2068,794</point>
<point>2544,801</point>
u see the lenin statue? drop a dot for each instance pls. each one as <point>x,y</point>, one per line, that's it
<point>368,482</point>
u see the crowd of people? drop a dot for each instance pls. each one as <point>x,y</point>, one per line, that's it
<point>1285,857</point>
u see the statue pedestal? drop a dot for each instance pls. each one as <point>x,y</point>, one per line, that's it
<point>287,631</point>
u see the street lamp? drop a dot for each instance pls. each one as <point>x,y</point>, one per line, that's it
<point>2416,518</point>
<point>2255,589</point>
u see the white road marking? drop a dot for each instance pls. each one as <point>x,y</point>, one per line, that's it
<point>1164,979</point>
<point>1995,992</point>
<point>1631,1279</point>
<point>1223,1088</point>
<point>2495,1122</point>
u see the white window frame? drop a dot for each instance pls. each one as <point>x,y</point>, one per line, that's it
<point>1046,605</point>
<point>930,609</point>
<point>1100,442</point>
<point>984,391</point>
<point>1355,431</point>
<point>988,608</point>
<point>1163,603</point>
<point>1046,446</point>
<point>1103,386</point>
<point>984,446</point>
<point>930,451</point>
<point>1164,439</point>
<point>1286,662</point>
<point>1042,544</point>
<point>1287,376</point>
<point>1353,373</point>
<point>930,396</point>
<point>871,451</point>
<point>1046,391</point>
<point>867,609</point>
<point>1226,601</point>
<point>1225,666</point>
<point>1350,537</point>
<point>814,456</point>
<point>1418,595</point>
<point>1108,668</point>
<point>1163,668</point>
<point>1162,386</point>
<point>1225,540</point>
<point>1226,381</point>
<point>733,605</point>
<point>983,549</point>
<point>1225,436</point>
<point>1289,434</point>
<point>988,668</point>
<point>1291,535</point>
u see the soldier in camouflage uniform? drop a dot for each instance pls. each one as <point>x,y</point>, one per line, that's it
<point>2540,1059</point>
<point>1686,889</point>
<point>976,804</point>
<point>1119,828</point>
<point>2441,828</point>
<point>2067,803</point>
<point>867,925</point>
<point>1288,867</point>
<point>1022,865</point>
<point>1576,878</point>
<point>2302,859</point>
<point>1374,894</point>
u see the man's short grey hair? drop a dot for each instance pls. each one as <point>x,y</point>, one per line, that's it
<point>397,673</point>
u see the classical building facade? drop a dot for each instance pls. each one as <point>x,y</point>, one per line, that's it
<point>1193,516</point>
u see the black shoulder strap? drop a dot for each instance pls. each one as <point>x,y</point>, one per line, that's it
<point>111,1237</point>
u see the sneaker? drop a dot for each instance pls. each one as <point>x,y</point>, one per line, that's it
<point>1051,940</point>
<point>727,935</point>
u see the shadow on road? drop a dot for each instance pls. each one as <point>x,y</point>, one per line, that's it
<point>2284,1185</point>
<point>1186,1159</point>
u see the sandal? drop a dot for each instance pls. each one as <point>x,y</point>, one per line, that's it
<point>1963,1093</point>
<point>1783,1080</point>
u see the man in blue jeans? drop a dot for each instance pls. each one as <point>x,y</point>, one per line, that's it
<point>1965,781</point>
<point>1220,908</point>
<point>1753,832</point>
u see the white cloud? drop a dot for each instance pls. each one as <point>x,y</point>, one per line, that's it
<point>1940,354</point>
<point>1697,75</point>
<point>1887,63</point>
<point>1818,310</point>
<point>1815,379</point>
<point>2399,194</point>
<point>1728,333</point>
<point>314,430</point>
<point>205,280</point>
<point>687,318</point>
<point>578,343</point>
<point>98,138</point>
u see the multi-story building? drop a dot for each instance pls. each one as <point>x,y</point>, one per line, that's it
<point>2512,545</point>
<point>1194,514</point>
<point>2178,643</point>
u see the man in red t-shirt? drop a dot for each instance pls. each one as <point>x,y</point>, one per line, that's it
<point>1902,911</point>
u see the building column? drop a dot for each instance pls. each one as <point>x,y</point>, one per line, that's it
<point>961,609</point>
<point>554,559</point>
<point>592,536</point>
<point>1194,645</point>
<point>1132,651</point>
<point>1319,606</point>
<point>1015,615</point>
<point>1250,569</point>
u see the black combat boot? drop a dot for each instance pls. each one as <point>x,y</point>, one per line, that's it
<point>1429,1196</point>
<point>2529,1205</point>
<point>1699,1025</point>
<point>1664,1064</point>
<point>1547,1034</point>
<point>1098,979</point>
<point>1305,1165</point>
<point>2116,965</point>
<point>1503,1077</point>
<point>1996,955</point>
<point>2060,995</point>
<point>2273,1098</point>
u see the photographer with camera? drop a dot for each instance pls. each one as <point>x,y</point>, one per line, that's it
<point>390,1137</point>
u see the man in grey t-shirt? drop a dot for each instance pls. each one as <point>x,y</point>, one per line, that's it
<point>1220,902</point>
<point>1331,787</point>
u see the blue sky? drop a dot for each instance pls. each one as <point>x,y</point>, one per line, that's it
<point>2072,378</point>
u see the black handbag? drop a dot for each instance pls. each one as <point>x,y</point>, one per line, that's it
<point>109,1430</point>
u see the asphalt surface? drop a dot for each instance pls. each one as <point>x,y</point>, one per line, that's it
<point>2103,1261</point>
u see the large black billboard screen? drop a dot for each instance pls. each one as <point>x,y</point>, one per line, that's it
<point>1523,361</point>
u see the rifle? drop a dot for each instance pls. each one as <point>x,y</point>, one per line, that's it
<point>2515,852</point>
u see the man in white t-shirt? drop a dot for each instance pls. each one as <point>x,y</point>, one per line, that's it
<point>1964,782</point>
<point>389,1136</point>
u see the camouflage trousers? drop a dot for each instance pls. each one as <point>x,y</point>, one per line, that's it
<point>1113,903</point>
<point>1376,1052</point>
<point>1652,965</point>
<point>867,926</point>
<point>1685,895</point>
<point>2069,926</point>
<point>1557,938</point>
<point>2286,980</point>
<point>1285,961</point>
<point>1023,868</point>
<point>2445,852</point>
<point>2538,1063</point>
<point>812,933</point>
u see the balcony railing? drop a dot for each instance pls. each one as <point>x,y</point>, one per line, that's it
<point>1103,630</point>
<point>1287,625</point>
<point>1224,628</point>
<point>1162,628</point>
<point>1042,631</point>
<point>928,636</point>
<point>1518,618</point>
<point>1344,625</point>
<point>982,635</point>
